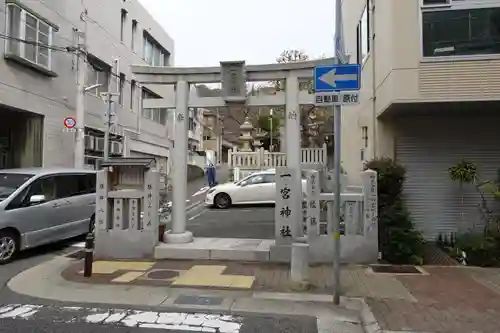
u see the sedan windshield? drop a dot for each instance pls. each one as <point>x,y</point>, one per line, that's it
<point>9,182</point>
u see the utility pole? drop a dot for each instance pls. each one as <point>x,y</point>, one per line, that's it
<point>110,113</point>
<point>340,56</point>
<point>79,157</point>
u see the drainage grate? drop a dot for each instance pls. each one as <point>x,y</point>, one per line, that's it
<point>395,269</point>
<point>198,300</point>
<point>80,254</point>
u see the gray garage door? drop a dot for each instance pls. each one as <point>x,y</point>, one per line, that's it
<point>428,147</point>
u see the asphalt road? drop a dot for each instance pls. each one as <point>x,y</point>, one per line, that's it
<point>237,222</point>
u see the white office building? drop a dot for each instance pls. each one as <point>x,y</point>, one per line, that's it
<point>38,71</point>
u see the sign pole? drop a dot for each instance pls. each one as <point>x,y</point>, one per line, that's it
<point>337,123</point>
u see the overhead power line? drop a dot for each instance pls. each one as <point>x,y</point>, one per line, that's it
<point>51,47</point>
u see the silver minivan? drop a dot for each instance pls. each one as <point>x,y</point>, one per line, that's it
<point>40,206</point>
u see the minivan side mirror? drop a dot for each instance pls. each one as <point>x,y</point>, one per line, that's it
<point>37,199</point>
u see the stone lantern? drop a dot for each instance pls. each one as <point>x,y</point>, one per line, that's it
<point>246,135</point>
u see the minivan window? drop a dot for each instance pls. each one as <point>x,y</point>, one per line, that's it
<point>9,182</point>
<point>87,183</point>
<point>71,185</point>
<point>66,186</point>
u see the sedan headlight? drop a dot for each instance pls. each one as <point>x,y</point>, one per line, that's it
<point>212,190</point>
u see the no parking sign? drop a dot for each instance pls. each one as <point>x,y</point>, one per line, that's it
<point>69,122</point>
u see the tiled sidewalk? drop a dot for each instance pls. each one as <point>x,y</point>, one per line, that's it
<point>458,300</point>
<point>447,299</point>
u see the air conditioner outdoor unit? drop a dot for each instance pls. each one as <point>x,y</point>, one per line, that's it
<point>116,148</point>
<point>99,144</point>
<point>89,142</point>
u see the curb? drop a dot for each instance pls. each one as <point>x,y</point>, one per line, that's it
<point>368,320</point>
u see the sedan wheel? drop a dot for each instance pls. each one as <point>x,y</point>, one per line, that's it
<point>222,201</point>
<point>8,247</point>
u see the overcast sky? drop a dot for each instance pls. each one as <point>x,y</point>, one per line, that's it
<point>208,31</point>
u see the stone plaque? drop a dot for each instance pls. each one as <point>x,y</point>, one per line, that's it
<point>151,201</point>
<point>102,206</point>
<point>312,201</point>
<point>233,81</point>
<point>370,211</point>
<point>134,214</point>
<point>118,216</point>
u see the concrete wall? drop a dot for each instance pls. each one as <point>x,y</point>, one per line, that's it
<point>54,97</point>
<point>395,72</point>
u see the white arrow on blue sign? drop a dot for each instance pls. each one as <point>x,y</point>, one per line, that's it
<point>337,78</point>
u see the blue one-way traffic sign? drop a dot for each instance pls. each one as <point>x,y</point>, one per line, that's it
<point>337,78</point>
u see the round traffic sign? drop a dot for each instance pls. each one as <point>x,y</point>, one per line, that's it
<point>69,122</point>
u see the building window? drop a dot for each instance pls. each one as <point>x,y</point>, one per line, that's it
<point>132,94</point>
<point>363,34</point>
<point>134,32</point>
<point>29,37</point>
<point>123,21</point>
<point>158,115</point>
<point>154,53</point>
<point>364,136</point>
<point>460,28</point>
<point>122,87</point>
<point>98,73</point>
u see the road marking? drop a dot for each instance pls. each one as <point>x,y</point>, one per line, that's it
<point>198,215</point>
<point>201,191</point>
<point>196,322</point>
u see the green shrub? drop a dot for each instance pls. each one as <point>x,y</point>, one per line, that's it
<point>481,249</point>
<point>399,242</point>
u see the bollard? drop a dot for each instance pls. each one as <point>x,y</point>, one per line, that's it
<point>300,262</point>
<point>89,255</point>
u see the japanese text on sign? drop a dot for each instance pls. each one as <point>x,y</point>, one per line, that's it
<point>286,211</point>
<point>336,98</point>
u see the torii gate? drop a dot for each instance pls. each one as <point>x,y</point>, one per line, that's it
<point>233,75</point>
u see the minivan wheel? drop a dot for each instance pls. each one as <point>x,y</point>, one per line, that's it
<point>222,201</point>
<point>8,246</point>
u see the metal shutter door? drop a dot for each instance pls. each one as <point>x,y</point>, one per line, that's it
<point>428,147</point>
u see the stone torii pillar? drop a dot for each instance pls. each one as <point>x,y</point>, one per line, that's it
<point>292,146</point>
<point>179,234</point>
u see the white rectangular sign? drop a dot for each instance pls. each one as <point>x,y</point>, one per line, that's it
<point>312,201</point>
<point>337,98</point>
<point>287,195</point>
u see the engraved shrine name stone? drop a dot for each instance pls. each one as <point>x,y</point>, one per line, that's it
<point>285,211</point>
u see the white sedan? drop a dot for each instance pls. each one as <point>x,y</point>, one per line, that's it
<point>257,188</point>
